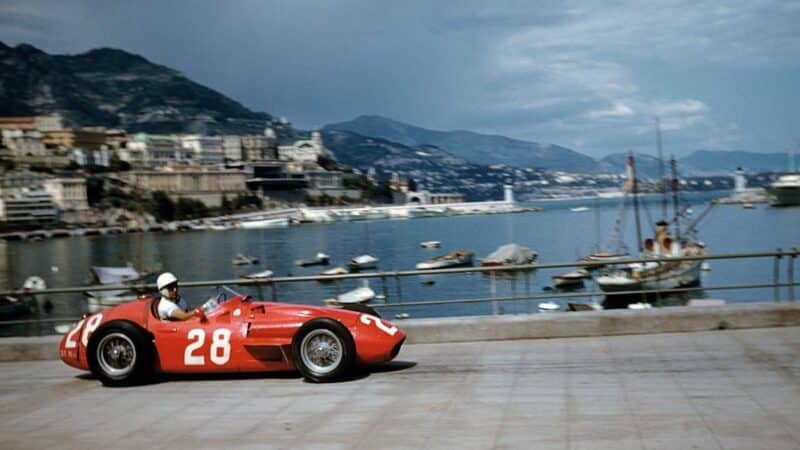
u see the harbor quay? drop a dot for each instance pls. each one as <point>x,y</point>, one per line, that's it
<point>708,377</point>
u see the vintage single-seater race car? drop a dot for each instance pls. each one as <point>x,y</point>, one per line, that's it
<point>128,344</point>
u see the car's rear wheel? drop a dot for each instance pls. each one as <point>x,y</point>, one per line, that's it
<point>323,350</point>
<point>120,354</point>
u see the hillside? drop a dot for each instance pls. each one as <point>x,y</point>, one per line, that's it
<point>116,89</point>
<point>473,147</point>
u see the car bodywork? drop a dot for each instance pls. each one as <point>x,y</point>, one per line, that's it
<point>236,335</point>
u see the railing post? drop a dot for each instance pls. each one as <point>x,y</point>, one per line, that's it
<point>493,290</point>
<point>399,291</point>
<point>274,291</point>
<point>792,256</point>
<point>776,276</point>
<point>385,289</point>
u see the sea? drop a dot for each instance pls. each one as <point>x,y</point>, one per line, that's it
<point>557,232</point>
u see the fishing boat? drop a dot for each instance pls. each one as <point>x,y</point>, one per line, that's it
<point>571,279</point>
<point>430,244</point>
<point>241,260</point>
<point>264,274</point>
<point>363,262</point>
<point>510,254</point>
<point>321,259</point>
<point>452,259</point>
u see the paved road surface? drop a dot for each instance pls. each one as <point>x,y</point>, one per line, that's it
<point>726,389</point>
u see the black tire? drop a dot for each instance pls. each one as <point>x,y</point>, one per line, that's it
<point>358,307</point>
<point>323,350</point>
<point>120,353</point>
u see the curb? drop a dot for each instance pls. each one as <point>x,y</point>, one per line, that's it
<point>528,326</point>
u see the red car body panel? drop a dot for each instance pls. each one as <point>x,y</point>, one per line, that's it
<point>240,335</point>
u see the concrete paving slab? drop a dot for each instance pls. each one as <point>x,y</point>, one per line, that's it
<point>718,389</point>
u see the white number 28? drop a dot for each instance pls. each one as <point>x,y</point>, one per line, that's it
<point>219,352</point>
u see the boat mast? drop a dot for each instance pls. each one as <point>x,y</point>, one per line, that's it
<point>635,202</point>
<point>661,178</point>
<point>674,183</point>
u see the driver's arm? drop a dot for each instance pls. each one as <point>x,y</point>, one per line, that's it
<point>180,314</point>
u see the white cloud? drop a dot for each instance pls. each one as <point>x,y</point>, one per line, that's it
<point>619,109</point>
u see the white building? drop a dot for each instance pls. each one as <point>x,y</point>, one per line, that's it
<point>204,150</point>
<point>152,150</point>
<point>306,150</point>
<point>232,148</point>
<point>70,196</point>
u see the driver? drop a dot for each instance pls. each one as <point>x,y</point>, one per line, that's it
<point>171,306</point>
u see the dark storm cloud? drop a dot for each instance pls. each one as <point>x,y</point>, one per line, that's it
<point>583,75</point>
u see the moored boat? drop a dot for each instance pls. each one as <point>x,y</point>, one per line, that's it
<point>241,260</point>
<point>321,259</point>
<point>452,259</point>
<point>430,244</point>
<point>510,254</point>
<point>363,262</point>
<point>279,222</point>
<point>573,278</point>
<point>264,274</point>
<point>785,191</point>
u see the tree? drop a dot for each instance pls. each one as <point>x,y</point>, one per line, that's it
<point>162,208</point>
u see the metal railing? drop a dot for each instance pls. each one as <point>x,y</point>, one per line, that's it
<point>495,273</point>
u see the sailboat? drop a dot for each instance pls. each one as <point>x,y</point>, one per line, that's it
<point>661,273</point>
<point>618,252</point>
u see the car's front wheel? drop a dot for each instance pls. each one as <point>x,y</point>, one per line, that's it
<point>120,354</point>
<point>323,350</point>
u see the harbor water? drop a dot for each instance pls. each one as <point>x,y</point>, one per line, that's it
<point>557,232</point>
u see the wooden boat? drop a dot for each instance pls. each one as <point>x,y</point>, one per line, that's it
<point>453,259</point>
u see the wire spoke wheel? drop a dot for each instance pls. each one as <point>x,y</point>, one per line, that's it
<point>321,351</point>
<point>116,354</point>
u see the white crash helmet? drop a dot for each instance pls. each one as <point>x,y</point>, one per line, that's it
<point>165,279</point>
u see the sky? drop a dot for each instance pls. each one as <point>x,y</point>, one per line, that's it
<point>592,76</point>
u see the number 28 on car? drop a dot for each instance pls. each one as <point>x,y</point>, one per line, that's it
<point>128,344</point>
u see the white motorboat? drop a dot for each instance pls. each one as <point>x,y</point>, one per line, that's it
<point>264,274</point>
<point>359,295</point>
<point>279,222</point>
<point>549,306</point>
<point>114,275</point>
<point>339,270</point>
<point>241,260</point>
<point>430,244</point>
<point>579,209</point>
<point>321,259</point>
<point>785,191</point>
<point>452,259</point>
<point>363,262</point>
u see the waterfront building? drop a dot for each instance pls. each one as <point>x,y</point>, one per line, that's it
<point>85,138</point>
<point>204,149</point>
<point>258,148</point>
<point>27,148</point>
<point>203,184</point>
<point>30,123</point>
<point>69,194</point>
<point>153,150</point>
<point>232,148</point>
<point>34,207</point>
<point>426,198</point>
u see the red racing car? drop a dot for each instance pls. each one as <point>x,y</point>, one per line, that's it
<point>127,344</point>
